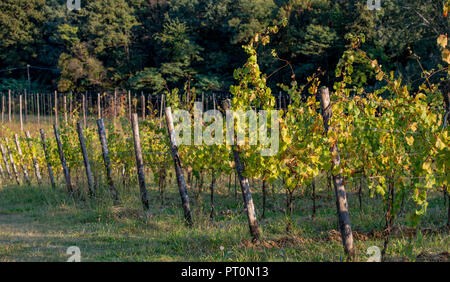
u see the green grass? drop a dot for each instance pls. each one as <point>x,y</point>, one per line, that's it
<point>40,223</point>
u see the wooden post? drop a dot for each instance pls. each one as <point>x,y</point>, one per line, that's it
<point>37,171</point>
<point>87,166</point>
<point>99,106</point>
<point>341,198</point>
<point>24,167</point>
<point>115,107</point>
<point>248,200</point>
<point>20,112</point>
<point>56,108</point>
<point>445,90</point>
<point>47,158</point>
<point>161,111</point>
<point>9,105</point>
<point>84,110</point>
<point>63,160</point>
<point>33,103</point>
<point>44,104</point>
<point>2,172</point>
<point>149,101</point>
<point>90,100</point>
<point>178,169</point>
<point>50,106</point>
<point>235,186</point>
<point>106,159</point>
<point>129,104</point>
<point>121,99</point>
<point>139,162</point>
<point>13,116</point>
<point>3,108</point>
<point>279,100</point>
<point>203,101</point>
<point>38,110</point>
<point>143,106</point>
<point>65,108</point>
<point>245,187</point>
<point>71,106</point>
<point>5,160</point>
<point>313,186</point>
<point>13,164</point>
<point>25,106</point>
<point>211,189</point>
<point>39,99</point>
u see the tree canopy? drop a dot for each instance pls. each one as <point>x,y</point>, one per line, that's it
<point>156,45</point>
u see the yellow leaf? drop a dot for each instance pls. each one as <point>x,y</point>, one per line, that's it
<point>380,76</point>
<point>427,166</point>
<point>410,140</point>
<point>446,56</point>
<point>414,126</point>
<point>373,63</point>
<point>442,40</point>
<point>439,144</point>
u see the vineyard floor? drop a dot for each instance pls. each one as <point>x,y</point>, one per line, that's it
<point>40,223</point>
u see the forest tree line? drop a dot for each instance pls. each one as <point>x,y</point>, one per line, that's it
<point>158,45</point>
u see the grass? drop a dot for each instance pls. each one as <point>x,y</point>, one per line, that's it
<point>40,223</point>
